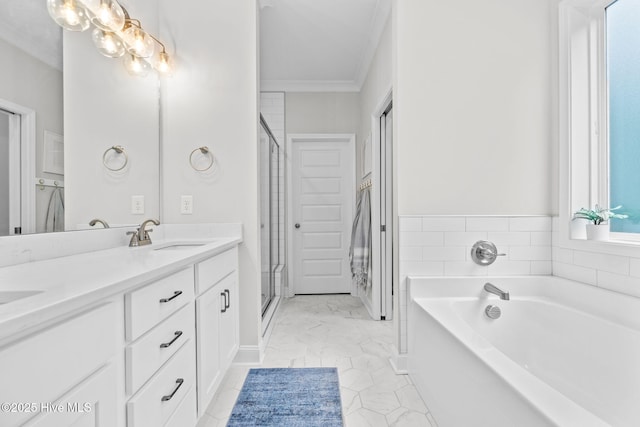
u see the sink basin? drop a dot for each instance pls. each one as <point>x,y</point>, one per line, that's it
<point>9,296</point>
<point>180,246</point>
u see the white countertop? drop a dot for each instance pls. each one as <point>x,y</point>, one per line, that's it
<point>72,282</point>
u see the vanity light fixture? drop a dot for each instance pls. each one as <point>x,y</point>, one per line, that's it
<point>115,33</point>
<point>69,14</point>
<point>164,64</point>
<point>108,14</point>
<point>108,43</point>
<point>138,42</point>
<point>136,66</point>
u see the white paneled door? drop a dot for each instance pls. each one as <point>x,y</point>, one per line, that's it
<point>322,178</point>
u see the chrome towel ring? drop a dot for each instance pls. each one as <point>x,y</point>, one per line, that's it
<point>206,153</point>
<point>118,149</point>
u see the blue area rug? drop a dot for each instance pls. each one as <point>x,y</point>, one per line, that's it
<point>287,397</point>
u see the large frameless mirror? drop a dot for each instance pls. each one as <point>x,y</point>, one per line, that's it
<point>79,136</point>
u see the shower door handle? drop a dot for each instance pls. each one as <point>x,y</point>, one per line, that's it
<point>297,225</point>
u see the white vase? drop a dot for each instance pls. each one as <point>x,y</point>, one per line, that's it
<point>598,232</point>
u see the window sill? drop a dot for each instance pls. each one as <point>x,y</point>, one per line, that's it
<point>619,247</point>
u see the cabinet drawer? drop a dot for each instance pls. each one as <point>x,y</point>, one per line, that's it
<point>148,306</point>
<point>211,271</point>
<point>44,366</point>
<point>158,399</point>
<point>153,349</point>
<point>185,415</point>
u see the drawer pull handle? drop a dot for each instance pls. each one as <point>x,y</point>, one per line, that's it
<point>168,397</point>
<point>223,294</point>
<point>176,294</point>
<point>227,300</point>
<point>167,344</point>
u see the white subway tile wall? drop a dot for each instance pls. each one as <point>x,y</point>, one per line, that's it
<point>613,272</point>
<point>441,246</point>
<point>272,108</point>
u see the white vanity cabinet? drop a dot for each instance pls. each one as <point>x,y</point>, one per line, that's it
<point>160,350</point>
<point>64,374</point>
<point>217,322</point>
<point>146,345</point>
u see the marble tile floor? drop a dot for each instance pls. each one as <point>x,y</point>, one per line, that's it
<point>335,330</point>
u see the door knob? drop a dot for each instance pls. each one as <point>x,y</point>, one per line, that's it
<point>297,225</point>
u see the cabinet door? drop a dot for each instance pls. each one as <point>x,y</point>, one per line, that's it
<point>43,366</point>
<point>91,404</point>
<point>208,310</point>
<point>229,321</point>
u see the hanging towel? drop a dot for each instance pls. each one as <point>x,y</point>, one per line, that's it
<point>360,251</point>
<point>55,212</point>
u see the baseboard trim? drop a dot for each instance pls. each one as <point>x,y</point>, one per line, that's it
<point>248,355</point>
<point>399,362</point>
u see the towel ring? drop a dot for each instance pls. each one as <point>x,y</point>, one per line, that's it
<point>119,149</point>
<point>205,151</point>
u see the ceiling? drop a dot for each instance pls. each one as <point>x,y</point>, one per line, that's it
<point>27,25</point>
<point>305,45</point>
<point>318,45</point>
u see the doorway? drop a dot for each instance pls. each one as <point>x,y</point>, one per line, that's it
<point>17,169</point>
<point>378,298</point>
<point>322,188</point>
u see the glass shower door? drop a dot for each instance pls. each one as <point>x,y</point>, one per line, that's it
<point>270,214</point>
<point>265,219</point>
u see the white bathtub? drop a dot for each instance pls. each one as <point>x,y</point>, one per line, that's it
<point>562,353</point>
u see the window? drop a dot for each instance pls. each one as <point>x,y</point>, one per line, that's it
<point>600,115</point>
<point>623,78</point>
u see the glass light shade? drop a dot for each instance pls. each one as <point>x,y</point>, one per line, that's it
<point>108,43</point>
<point>164,64</point>
<point>107,14</point>
<point>136,66</point>
<point>69,14</point>
<point>138,42</point>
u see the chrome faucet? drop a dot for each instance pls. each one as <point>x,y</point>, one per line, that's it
<point>497,291</point>
<point>141,237</point>
<point>93,222</point>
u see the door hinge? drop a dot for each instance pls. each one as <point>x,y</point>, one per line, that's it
<point>383,228</point>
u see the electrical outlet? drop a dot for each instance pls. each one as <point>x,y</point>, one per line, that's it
<point>186,205</point>
<point>137,205</point>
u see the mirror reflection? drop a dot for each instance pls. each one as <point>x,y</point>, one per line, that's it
<point>31,120</point>
<point>74,146</point>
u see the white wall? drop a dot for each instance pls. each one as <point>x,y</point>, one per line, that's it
<point>212,100</point>
<point>473,107</point>
<point>322,112</point>
<point>105,106</point>
<point>29,82</point>
<point>375,88</point>
<point>475,133</point>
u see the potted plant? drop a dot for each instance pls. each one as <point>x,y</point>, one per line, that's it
<point>598,228</point>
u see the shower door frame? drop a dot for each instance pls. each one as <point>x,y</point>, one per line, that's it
<point>383,243</point>
<point>267,310</point>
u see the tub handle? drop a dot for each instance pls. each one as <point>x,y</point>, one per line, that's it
<point>484,252</point>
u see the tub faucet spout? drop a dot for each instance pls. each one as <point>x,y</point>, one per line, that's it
<point>497,291</point>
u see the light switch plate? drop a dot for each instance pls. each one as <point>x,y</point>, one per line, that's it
<point>186,205</point>
<point>137,205</point>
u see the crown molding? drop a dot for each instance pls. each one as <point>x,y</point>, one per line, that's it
<point>309,86</point>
